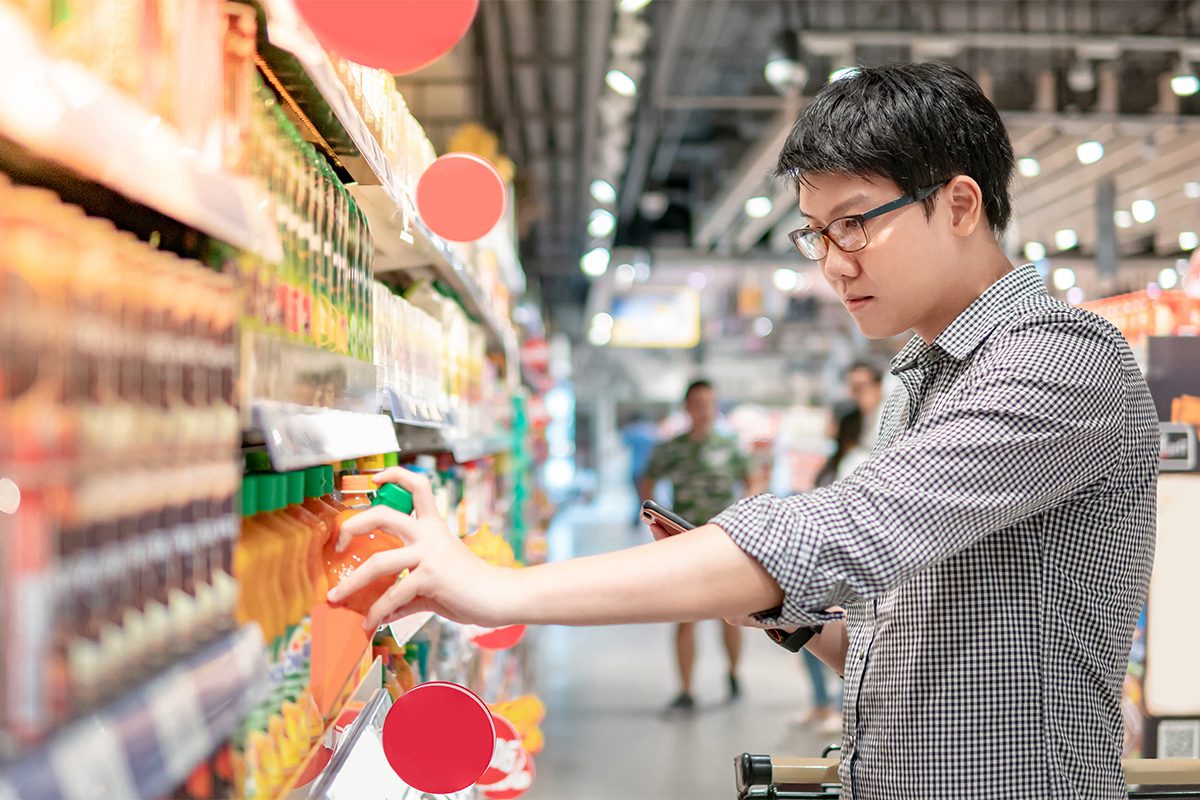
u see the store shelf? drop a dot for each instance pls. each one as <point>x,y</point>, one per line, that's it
<point>147,743</point>
<point>403,241</point>
<point>303,436</point>
<point>60,111</point>
<point>405,629</point>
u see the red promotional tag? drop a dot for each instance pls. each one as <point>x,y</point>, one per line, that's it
<point>439,737</point>
<point>499,638</point>
<point>461,197</point>
<point>514,785</point>
<point>400,36</point>
<point>508,755</point>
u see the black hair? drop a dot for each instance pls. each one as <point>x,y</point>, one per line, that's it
<point>875,372</point>
<point>849,434</point>
<point>695,386</point>
<point>914,124</point>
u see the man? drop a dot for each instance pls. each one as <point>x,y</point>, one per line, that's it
<point>704,468</point>
<point>992,555</point>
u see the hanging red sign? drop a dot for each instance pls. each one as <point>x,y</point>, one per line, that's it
<point>461,197</point>
<point>515,784</point>
<point>439,737</point>
<point>498,638</point>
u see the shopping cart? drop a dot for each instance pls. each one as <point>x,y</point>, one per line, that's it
<point>766,778</point>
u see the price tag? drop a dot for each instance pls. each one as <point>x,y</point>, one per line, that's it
<point>183,735</point>
<point>90,764</point>
<point>366,774</point>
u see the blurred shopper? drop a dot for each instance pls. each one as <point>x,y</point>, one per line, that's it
<point>705,469</point>
<point>640,437</point>
<point>994,552</point>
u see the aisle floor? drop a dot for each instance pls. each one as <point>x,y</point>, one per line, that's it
<point>605,689</point>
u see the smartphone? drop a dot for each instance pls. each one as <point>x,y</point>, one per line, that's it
<point>667,519</point>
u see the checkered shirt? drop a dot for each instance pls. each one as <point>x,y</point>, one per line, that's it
<point>992,556</point>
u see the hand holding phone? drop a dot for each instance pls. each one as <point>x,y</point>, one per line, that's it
<point>659,518</point>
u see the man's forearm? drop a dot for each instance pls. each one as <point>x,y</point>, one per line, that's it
<point>830,645</point>
<point>694,576</point>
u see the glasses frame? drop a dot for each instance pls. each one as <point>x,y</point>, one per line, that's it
<point>879,211</point>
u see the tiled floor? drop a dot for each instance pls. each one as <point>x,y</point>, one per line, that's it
<point>605,687</point>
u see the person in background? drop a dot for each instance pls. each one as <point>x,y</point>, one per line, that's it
<point>705,469</point>
<point>864,384</point>
<point>640,437</point>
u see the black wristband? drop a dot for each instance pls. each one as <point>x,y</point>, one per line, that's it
<point>792,641</point>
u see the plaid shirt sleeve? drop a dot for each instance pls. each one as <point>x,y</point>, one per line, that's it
<point>1041,423</point>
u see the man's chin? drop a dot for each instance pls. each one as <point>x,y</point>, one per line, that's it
<point>877,330</point>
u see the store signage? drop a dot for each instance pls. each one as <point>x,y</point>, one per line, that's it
<point>508,756</point>
<point>439,737</point>
<point>400,36</point>
<point>461,197</point>
<point>497,638</point>
<point>515,784</point>
<point>1177,447</point>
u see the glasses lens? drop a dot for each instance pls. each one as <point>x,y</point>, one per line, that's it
<point>811,244</point>
<point>848,234</point>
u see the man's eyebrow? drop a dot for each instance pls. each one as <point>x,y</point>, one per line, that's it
<point>837,210</point>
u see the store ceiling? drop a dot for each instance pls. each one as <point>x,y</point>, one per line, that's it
<point>698,139</point>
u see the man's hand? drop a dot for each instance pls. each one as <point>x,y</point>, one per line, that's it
<point>445,576</point>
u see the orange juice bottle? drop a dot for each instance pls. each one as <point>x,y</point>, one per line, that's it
<point>338,565</point>
<point>268,575</point>
<point>315,529</point>
<point>291,537</point>
<point>329,497</point>
<point>314,487</point>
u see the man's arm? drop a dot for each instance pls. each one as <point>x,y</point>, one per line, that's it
<point>830,645</point>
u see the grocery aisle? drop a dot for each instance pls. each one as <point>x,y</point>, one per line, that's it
<point>605,688</point>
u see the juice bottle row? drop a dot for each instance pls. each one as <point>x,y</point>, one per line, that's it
<point>320,292</point>
<point>109,576</point>
<point>408,348</point>
<point>113,349</point>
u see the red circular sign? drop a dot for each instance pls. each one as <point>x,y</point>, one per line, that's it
<point>439,737</point>
<point>461,197</point>
<point>514,785</point>
<point>400,36</point>
<point>500,638</point>
<point>508,755</point>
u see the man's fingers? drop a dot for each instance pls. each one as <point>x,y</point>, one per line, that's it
<point>390,562</point>
<point>403,593</point>
<point>417,485</point>
<point>388,520</point>
<point>658,531</point>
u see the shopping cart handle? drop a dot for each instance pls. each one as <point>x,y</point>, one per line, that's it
<point>1162,771</point>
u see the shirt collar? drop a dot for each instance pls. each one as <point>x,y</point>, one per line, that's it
<point>972,326</point>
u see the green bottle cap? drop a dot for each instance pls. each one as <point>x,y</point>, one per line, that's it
<point>349,466</point>
<point>393,496</point>
<point>327,471</point>
<point>314,481</point>
<point>295,488</point>
<point>258,461</point>
<point>391,460</point>
<point>249,495</point>
<point>281,491</point>
<point>270,493</point>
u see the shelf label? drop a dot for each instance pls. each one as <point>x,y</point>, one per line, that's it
<point>183,735</point>
<point>90,763</point>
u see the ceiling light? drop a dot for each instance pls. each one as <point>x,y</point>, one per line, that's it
<point>1168,278</point>
<point>641,270</point>
<point>601,223</point>
<point>842,72</point>
<point>1189,240</point>
<point>600,336</point>
<point>603,191</point>
<point>1143,210</point>
<point>1185,84</point>
<point>786,280</point>
<point>621,83</point>
<point>758,207</point>
<point>1035,251</point>
<point>1089,152</point>
<point>595,261</point>
<point>784,69</point>
<point>763,327</point>
<point>633,6</point>
<point>625,276</point>
<point>603,320</point>
<point>1075,295</point>
<point>1065,239</point>
<point>1063,278</point>
<point>1029,167</point>
<point>1191,190</point>
<point>697,280</point>
<point>1122,218</point>
<point>1080,76</point>
<point>653,205</point>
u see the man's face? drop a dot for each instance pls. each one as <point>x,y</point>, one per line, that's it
<point>701,406</point>
<point>866,393</point>
<point>897,281</point>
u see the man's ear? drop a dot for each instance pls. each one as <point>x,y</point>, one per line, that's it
<point>964,202</point>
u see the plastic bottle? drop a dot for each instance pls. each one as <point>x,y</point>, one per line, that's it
<point>314,488</point>
<point>329,496</point>
<point>293,540</point>
<point>317,530</point>
<point>338,565</point>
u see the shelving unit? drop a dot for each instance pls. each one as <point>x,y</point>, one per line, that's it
<point>147,742</point>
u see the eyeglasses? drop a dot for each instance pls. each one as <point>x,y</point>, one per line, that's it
<point>849,233</point>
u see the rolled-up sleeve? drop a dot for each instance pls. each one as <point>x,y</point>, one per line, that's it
<point>1041,425</point>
